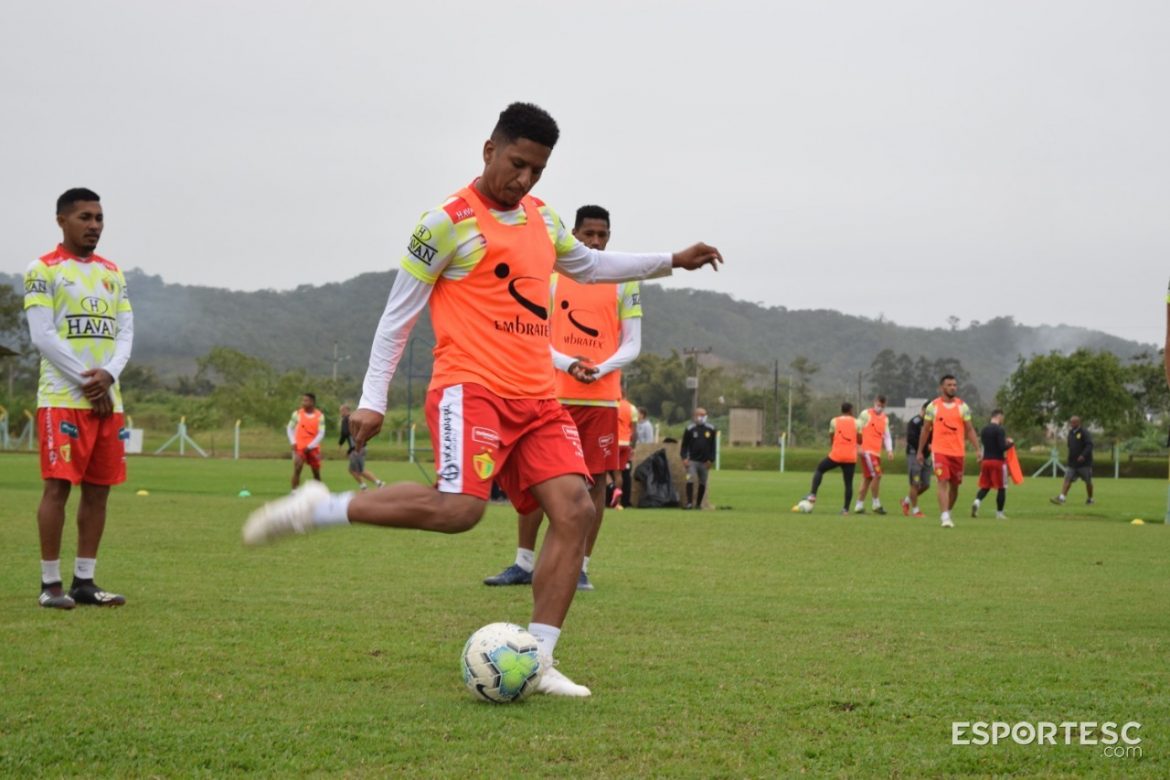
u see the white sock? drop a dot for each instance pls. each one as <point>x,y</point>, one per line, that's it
<point>975,502</point>
<point>906,500</point>
<point>946,516</point>
<point>51,571</point>
<point>83,568</point>
<point>546,637</point>
<point>877,504</point>
<point>333,510</point>
<point>585,564</point>
<point>915,510</point>
<point>858,506</point>
<point>1061,497</point>
<point>525,559</point>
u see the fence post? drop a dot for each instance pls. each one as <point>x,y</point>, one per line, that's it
<point>782,449</point>
<point>236,442</point>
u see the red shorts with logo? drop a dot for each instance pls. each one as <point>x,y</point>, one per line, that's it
<point>518,442</point>
<point>624,452</point>
<point>311,458</point>
<point>597,427</point>
<point>78,446</point>
<point>871,464</point>
<point>991,474</point>
<point>948,468</point>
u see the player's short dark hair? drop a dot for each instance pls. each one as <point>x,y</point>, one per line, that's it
<point>925,404</point>
<point>846,408</point>
<point>591,212</point>
<point>945,377</point>
<point>526,120</point>
<point>996,412</point>
<point>311,396</point>
<point>881,399</point>
<point>75,195</point>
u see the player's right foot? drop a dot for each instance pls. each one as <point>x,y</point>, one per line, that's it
<point>947,523</point>
<point>583,582</point>
<point>55,597</point>
<point>879,510</point>
<point>919,513</point>
<point>974,510</point>
<point>1056,500</point>
<point>89,592</point>
<point>513,575</point>
<point>554,683</point>
<point>286,516</point>
<point>617,497</point>
<point>905,507</point>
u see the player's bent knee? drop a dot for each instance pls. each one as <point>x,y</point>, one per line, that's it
<point>460,513</point>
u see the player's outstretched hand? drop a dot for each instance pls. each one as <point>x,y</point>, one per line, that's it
<point>364,425</point>
<point>697,256</point>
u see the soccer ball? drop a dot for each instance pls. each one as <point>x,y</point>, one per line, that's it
<point>805,506</point>
<point>501,663</point>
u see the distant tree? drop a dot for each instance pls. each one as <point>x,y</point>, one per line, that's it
<point>885,376</point>
<point>1048,389</point>
<point>953,322</point>
<point>925,380</point>
<point>659,384</point>
<point>19,372</point>
<point>804,370</point>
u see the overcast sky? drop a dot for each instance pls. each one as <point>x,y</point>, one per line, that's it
<point>912,160</point>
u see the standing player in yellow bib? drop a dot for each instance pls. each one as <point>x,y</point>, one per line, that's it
<point>596,330</point>
<point>482,261</point>
<point>80,320</point>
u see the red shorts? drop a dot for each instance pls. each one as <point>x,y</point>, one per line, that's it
<point>624,451</point>
<point>871,464</point>
<point>948,468</point>
<point>597,427</point>
<point>518,442</point>
<point>991,474</point>
<point>78,446</point>
<point>311,458</point>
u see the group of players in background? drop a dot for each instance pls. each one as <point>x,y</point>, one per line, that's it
<point>936,442</point>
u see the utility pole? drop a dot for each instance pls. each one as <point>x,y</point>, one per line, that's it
<point>337,358</point>
<point>693,381</point>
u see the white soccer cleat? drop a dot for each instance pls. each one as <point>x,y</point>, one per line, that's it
<point>553,683</point>
<point>286,516</point>
<point>947,523</point>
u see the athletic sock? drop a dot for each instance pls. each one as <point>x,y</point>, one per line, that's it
<point>945,516</point>
<point>585,564</point>
<point>83,568</point>
<point>546,637</point>
<point>876,504</point>
<point>975,502</point>
<point>525,559</point>
<point>915,510</point>
<point>51,571</point>
<point>858,506</point>
<point>1061,498</point>
<point>333,510</point>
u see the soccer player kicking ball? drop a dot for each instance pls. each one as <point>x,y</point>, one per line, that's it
<point>596,329</point>
<point>483,261</point>
<point>842,454</point>
<point>947,423</point>
<point>79,319</point>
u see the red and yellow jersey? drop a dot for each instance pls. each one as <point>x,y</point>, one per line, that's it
<point>949,426</point>
<point>306,427</point>
<point>843,429</point>
<point>627,418</point>
<point>587,325</point>
<point>85,294</point>
<point>873,425</point>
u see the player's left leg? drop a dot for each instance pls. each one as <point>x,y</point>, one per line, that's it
<point>298,465</point>
<point>847,470</point>
<point>570,511</point>
<point>1088,478</point>
<point>520,572</point>
<point>703,472</point>
<point>875,487</point>
<point>50,527</point>
<point>91,524</point>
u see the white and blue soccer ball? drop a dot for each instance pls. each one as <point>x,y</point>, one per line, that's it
<point>501,663</point>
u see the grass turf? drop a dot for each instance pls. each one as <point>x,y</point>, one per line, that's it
<point>748,641</point>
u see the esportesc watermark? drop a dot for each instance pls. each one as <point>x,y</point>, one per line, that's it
<point>1115,740</point>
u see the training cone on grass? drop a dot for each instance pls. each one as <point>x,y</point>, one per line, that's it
<point>1137,521</point>
<point>142,493</point>
<point>244,493</point>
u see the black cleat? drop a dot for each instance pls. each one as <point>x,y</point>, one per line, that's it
<point>513,575</point>
<point>88,592</point>
<point>55,597</point>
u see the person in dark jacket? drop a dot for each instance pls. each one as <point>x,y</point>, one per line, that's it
<point>698,453</point>
<point>1080,461</point>
<point>993,467</point>
<point>919,473</point>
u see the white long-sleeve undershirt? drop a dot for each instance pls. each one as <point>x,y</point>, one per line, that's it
<point>625,354</point>
<point>409,296</point>
<point>291,430</point>
<point>43,331</point>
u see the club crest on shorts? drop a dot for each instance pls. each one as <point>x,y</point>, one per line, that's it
<point>484,465</point>
<point>66,453</point>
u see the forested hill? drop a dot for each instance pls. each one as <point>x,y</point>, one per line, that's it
<point>175,324</point>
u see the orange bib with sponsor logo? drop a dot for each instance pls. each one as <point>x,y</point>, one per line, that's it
<point>874,432</point>
<point>844,440</point>
<point>492,326</point>
<point>585,326</point>
<point>948,428</point>
<point>308,426</point>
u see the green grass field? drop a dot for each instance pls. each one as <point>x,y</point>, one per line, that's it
<point>744,642</point>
